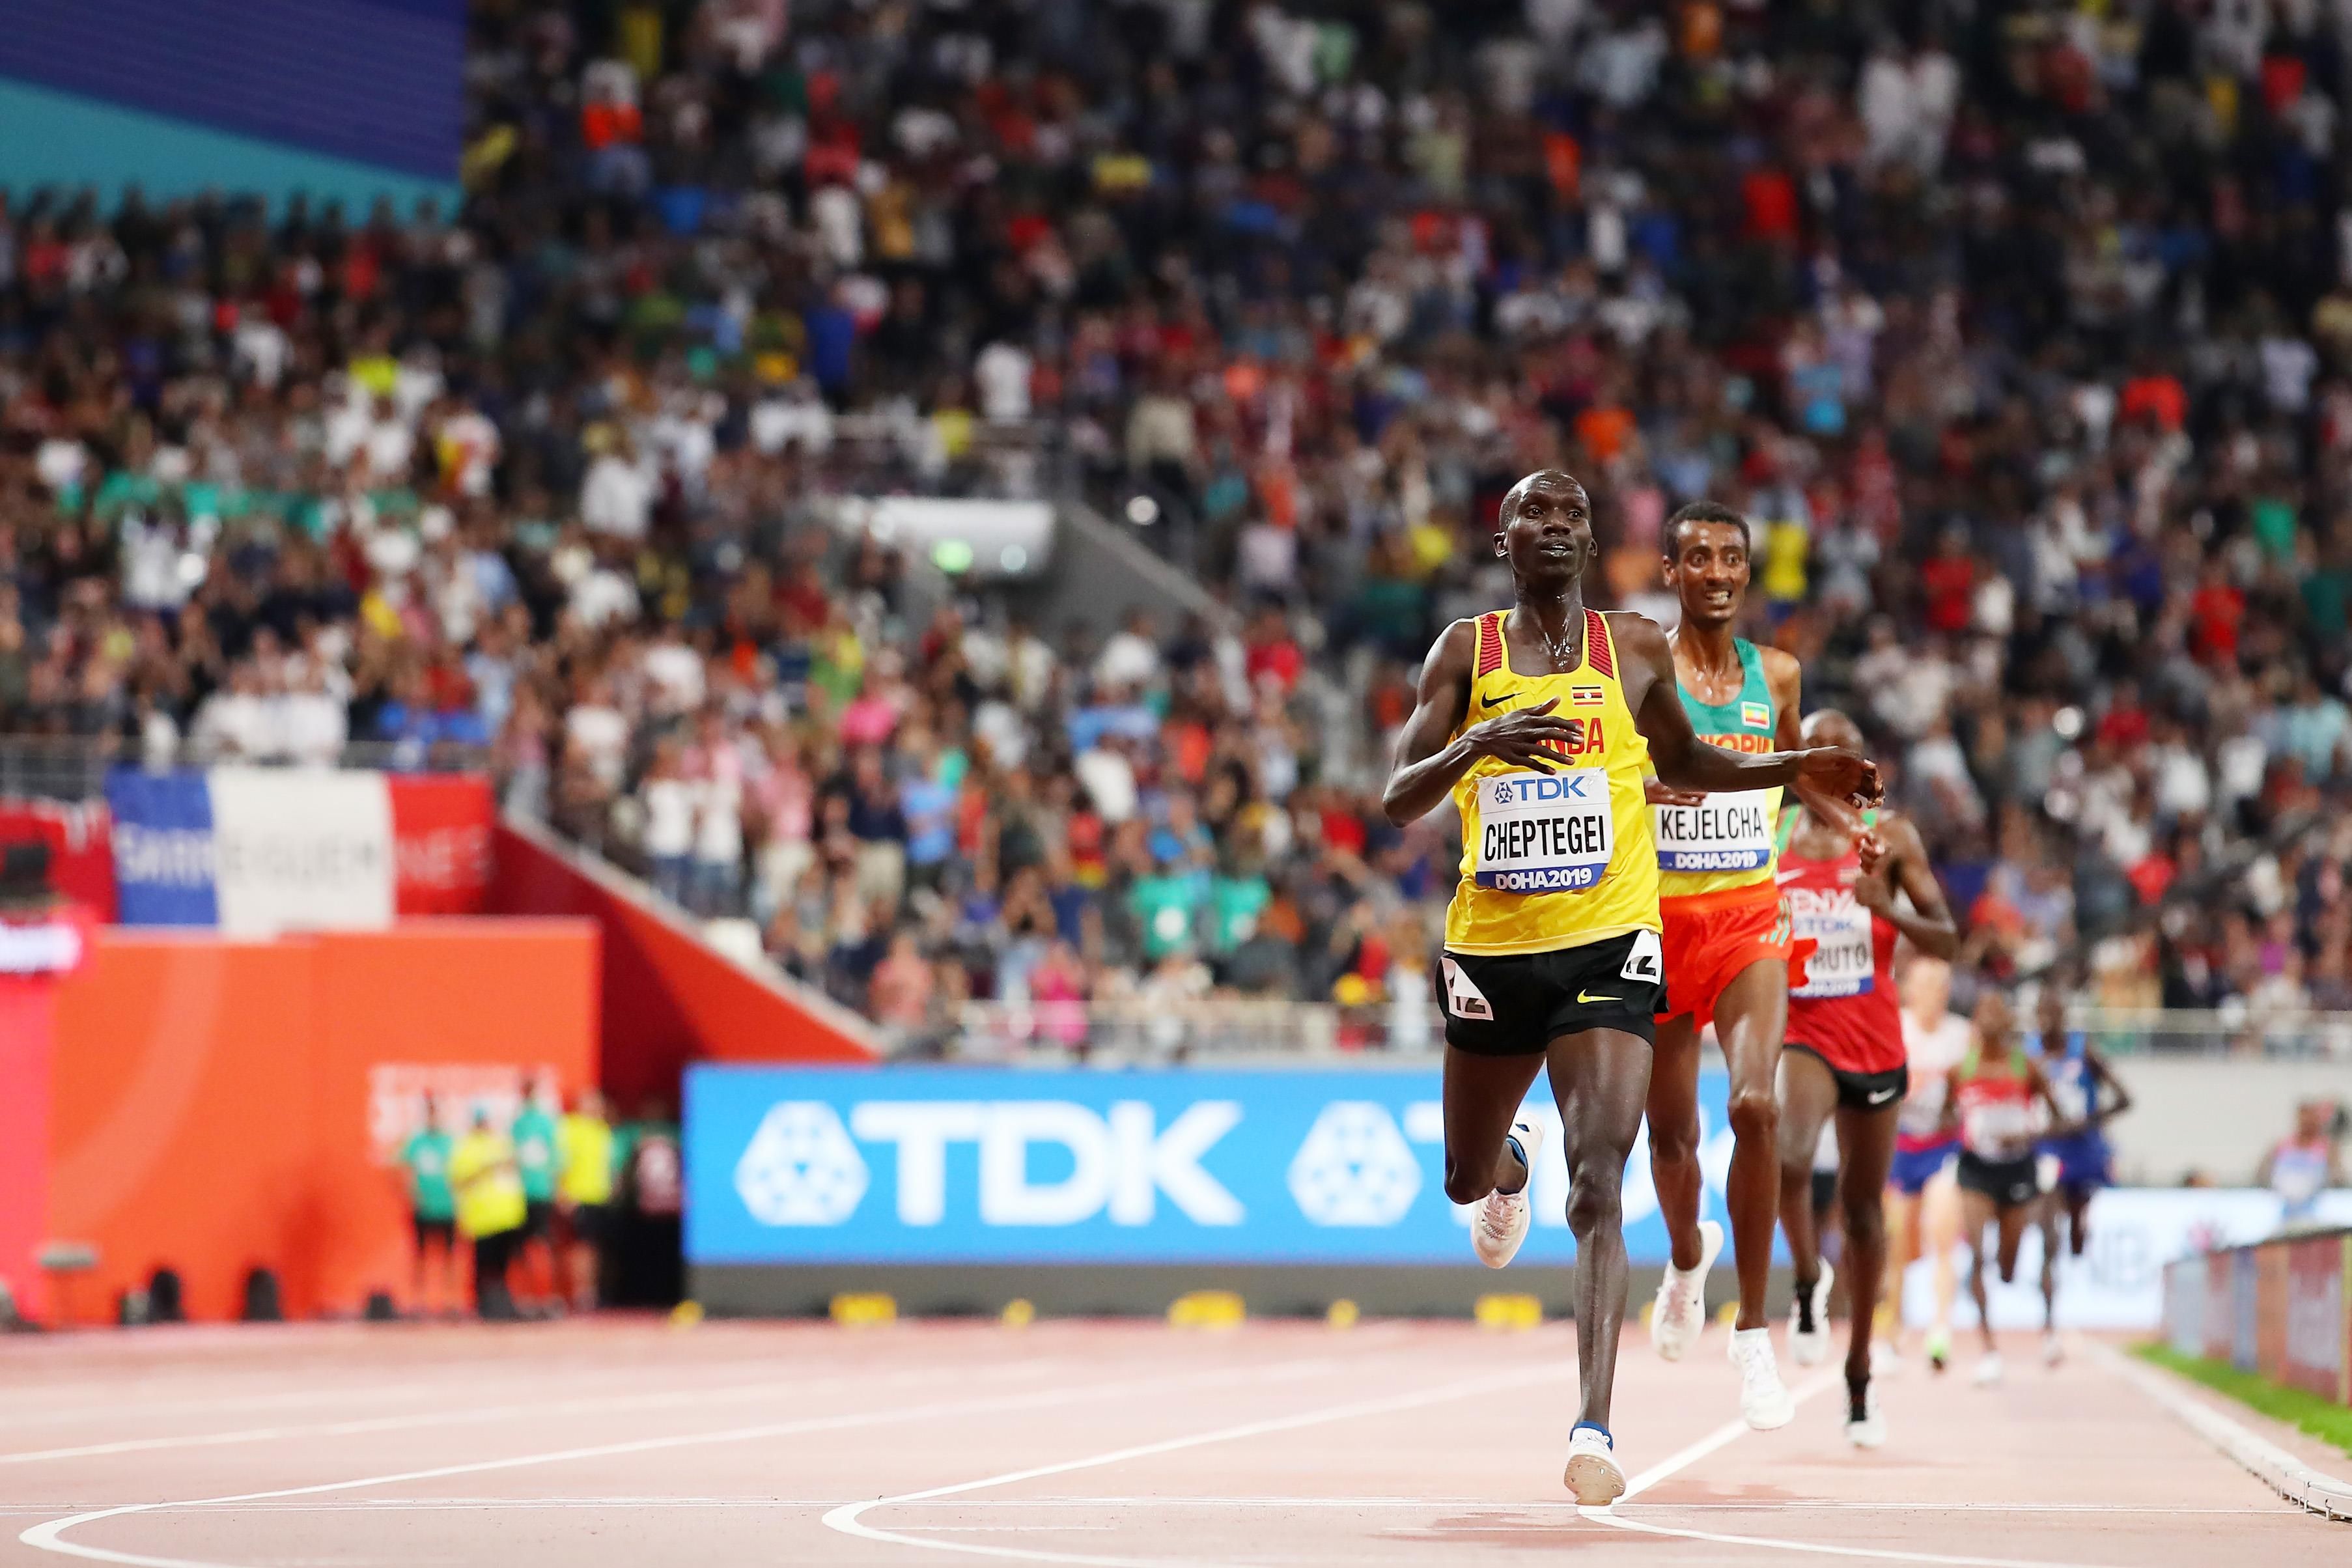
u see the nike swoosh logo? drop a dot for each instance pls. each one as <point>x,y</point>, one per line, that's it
<point>1494,701</point>
<point>1586,998</point>
<point>1882,1097</point>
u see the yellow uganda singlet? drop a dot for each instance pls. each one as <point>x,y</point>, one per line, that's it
<point>1558,859</point>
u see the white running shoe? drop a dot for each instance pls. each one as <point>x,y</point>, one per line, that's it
<point>1501,1222</point>
<point>1812,1348</point>
<point>1988,1372</point>
<point>1679,1315</point>
<point>1763,1399</point>
<point>1870,1432</point>
<point>2053,1349</point>
<point>1593,1474</point>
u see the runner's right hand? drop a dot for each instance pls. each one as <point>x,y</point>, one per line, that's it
<point>1658,792</point>
<point>1520,736</point>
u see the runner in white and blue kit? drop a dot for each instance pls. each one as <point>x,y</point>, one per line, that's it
<point>2076,1164</point>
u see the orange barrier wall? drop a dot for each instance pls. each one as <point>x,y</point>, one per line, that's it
<point>668,998</point>
<point>214,1100</point>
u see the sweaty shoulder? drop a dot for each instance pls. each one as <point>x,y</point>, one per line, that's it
<point>1781,672</point>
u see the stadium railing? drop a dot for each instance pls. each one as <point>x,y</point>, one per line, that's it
<point>1144,1029</point>
<point>74,767</point>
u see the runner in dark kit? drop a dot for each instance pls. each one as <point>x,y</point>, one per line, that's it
<point>1541,722</point>
<point>1845,1054</point>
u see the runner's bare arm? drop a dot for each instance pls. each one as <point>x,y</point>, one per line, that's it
<point>2104,1074</point>
<point>1431,759</point>
<point>1646,670</point>
<point>2059,1126</point>
<point>1902,862</point>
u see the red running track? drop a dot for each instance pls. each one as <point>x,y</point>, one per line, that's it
<point>613,1444</point>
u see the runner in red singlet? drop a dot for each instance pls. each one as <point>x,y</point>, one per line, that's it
<point>1844,1053</point>
<point>1999,1103</point>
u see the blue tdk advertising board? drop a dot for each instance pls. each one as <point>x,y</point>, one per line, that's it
<point>952,1164</point>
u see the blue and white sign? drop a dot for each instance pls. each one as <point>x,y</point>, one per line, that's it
<point>163,839</point>
<point>952,1164</point>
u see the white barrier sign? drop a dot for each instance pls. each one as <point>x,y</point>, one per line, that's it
<point>2118,1282</point>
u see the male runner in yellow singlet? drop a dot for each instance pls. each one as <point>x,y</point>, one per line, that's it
<point>1541,722</point>
<point>1728,951</point>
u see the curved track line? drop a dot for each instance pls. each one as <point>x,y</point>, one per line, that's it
<point>1730,1432</point>
<point>582,1405</point>
<point>50,1535</point>
<point>847,1521</point>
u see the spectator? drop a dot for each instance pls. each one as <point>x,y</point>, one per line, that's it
<point>491,1210</point>
<point>534,1137</point>
<point>584,1195</point>
<point>2302,1166</point>
<point>433,1214</point>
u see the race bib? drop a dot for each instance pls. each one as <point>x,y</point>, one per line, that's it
<point>1544,833</point>
<point>1998,1128</point>
<point>1840,927</point>
<point>1922,1111</point>
<point>1722,832</point>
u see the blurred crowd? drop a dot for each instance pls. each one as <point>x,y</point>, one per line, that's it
<point>2022,333</point>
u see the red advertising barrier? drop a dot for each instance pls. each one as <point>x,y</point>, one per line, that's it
<point>2269,1309</point>
<point>36,956</point>
<point>669,998</point>
<point>81,857</point>
<point>220,1104</point>
<point>2281,1307</point>
<point>441,843</point>
<point>2316,1333</point>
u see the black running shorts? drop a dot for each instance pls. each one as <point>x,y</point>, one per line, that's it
<point>2011,1184</point>
<point>1863,1090</point>
<point>1515,1003</point>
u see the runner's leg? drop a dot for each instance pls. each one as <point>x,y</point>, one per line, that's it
<point>1482,1097</point>
<point>2012,1218</point>
<point>1866,1151</point>
<point>1601,1078</point>
<point>2049,1206</point>
<point>1939,1226</point>
<point>1976,1213</point>
<point>1902,1218</point>
<point>1673,1110</point>
<point>1807,1098</point>
<point>1750,1017</point>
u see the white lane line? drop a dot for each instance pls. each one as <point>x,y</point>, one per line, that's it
<point>49,1536</point>
<point>111,1401</point>
<point>2273,1466</point>
<point>477,1415</point>
<point>1730,1431</point>
<point>363,1506</point>
<point>848,1521</point>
